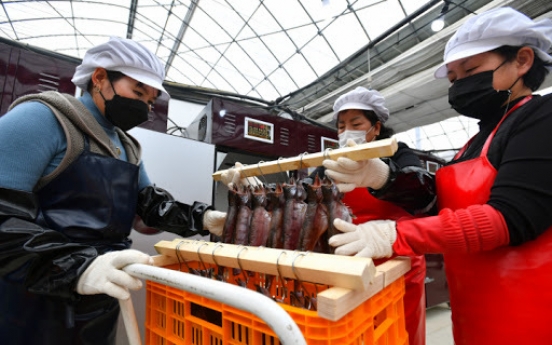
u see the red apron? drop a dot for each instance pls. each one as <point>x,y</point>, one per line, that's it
<point>366,207</point>
<point>503,296</point>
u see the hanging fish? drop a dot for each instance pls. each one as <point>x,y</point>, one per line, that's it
<point>313,225</point>
<point>294,213</point>
<point>243,218</point>
<point>260,218</point>
<point>332,198</point>
<point>275,206</point>
<point>231,215</point>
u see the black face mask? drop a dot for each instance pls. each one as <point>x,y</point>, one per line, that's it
<point>474,96</point>
<point>125,113</point>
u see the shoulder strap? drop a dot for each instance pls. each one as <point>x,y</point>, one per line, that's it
<point>77,122</point>
<point>132,147</point>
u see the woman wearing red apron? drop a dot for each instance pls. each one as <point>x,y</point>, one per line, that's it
<point>364,206</point>
<point>495,198</point>
<point>402,188</point>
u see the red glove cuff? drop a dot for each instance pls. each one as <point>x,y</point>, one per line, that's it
<point>473,229</point>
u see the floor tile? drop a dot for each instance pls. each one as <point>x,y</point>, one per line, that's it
<point>439,325</point>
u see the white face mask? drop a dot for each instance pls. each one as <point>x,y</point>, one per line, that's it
<point>359,137</point>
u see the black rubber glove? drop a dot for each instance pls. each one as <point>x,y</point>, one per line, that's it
<point>159,210</point>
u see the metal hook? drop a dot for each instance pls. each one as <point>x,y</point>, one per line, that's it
<point>300,295</point>
<point>199,256</point>
<point>213,252</point>
<point>177,251</point>
<point>301,159</point>
<point>327,153</point>
<point>280,280</point>
<point>221,273</point>
<point>280,167</point>
<point>278,263</point>
<point>238,256</point>
<point>240,266</point>
<point>262,174</point>
<point>245,176</point>
<point>293,266</point>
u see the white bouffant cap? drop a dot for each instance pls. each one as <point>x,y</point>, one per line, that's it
<point>495,28</point>
<point>122,55</point>
<point>363,99</point>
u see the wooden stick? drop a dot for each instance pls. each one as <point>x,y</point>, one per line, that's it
<point>374,149</point>
<point>349,272</point>
<point>337,302</point>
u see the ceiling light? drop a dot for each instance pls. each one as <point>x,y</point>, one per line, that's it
<point>439,23</point>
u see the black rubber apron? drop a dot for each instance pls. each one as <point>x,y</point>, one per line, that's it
<point>93,202</point>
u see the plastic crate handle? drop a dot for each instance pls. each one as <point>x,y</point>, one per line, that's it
<point>238,297</point>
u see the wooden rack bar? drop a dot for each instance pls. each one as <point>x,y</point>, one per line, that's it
<point>349,272</point>
<point>336,302</point>
<point>374,149</point>
<point>333,303</point>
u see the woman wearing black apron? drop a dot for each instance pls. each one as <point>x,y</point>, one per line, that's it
<point>72,186</point>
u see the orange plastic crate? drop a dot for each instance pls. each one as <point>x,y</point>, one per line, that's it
<point>176,317</point>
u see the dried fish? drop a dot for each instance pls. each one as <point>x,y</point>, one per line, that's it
<point>294,213</point>
<point>260,218</point>
<point>243,218</point>
<point>275,205</point>
<point>313,225</point>
<point>231,216</point>
<point>332,198</point>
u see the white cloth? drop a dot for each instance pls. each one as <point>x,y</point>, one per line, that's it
<point>373,239</point>
<point>214,221</point>
<point>363,99</point>
<point>122,55</point>
<point>495,28</point>
<point>349,174</point>
<point>232,177</point>
<point>105,274</point>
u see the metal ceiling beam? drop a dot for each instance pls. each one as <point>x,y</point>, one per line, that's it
<point>181,32</point>
<point>361,52</point>
<point>9,20</point>
<point>131,18</point>
<point>318,106</point>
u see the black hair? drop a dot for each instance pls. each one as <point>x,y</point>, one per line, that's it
<point>385,132</point>
<point>536,74</point>
<point>112,76</point>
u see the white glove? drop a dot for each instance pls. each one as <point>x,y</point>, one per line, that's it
<point>214,221</point>
<point>373,239</point>
<point>105,274</point>
<point>349,174</point>
<point>232,177</point>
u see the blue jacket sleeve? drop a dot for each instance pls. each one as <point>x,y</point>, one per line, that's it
<point>32,144</point>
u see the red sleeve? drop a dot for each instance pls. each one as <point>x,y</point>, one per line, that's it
<point>473,229</point>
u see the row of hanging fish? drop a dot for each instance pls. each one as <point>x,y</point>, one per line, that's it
<point>294,215</point>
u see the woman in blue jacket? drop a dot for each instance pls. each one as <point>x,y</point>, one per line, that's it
<point>72,186</point>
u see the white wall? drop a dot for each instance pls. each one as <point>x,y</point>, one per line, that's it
<point>544,91</point>
<point>182,113</point>
<point>181,166</point>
